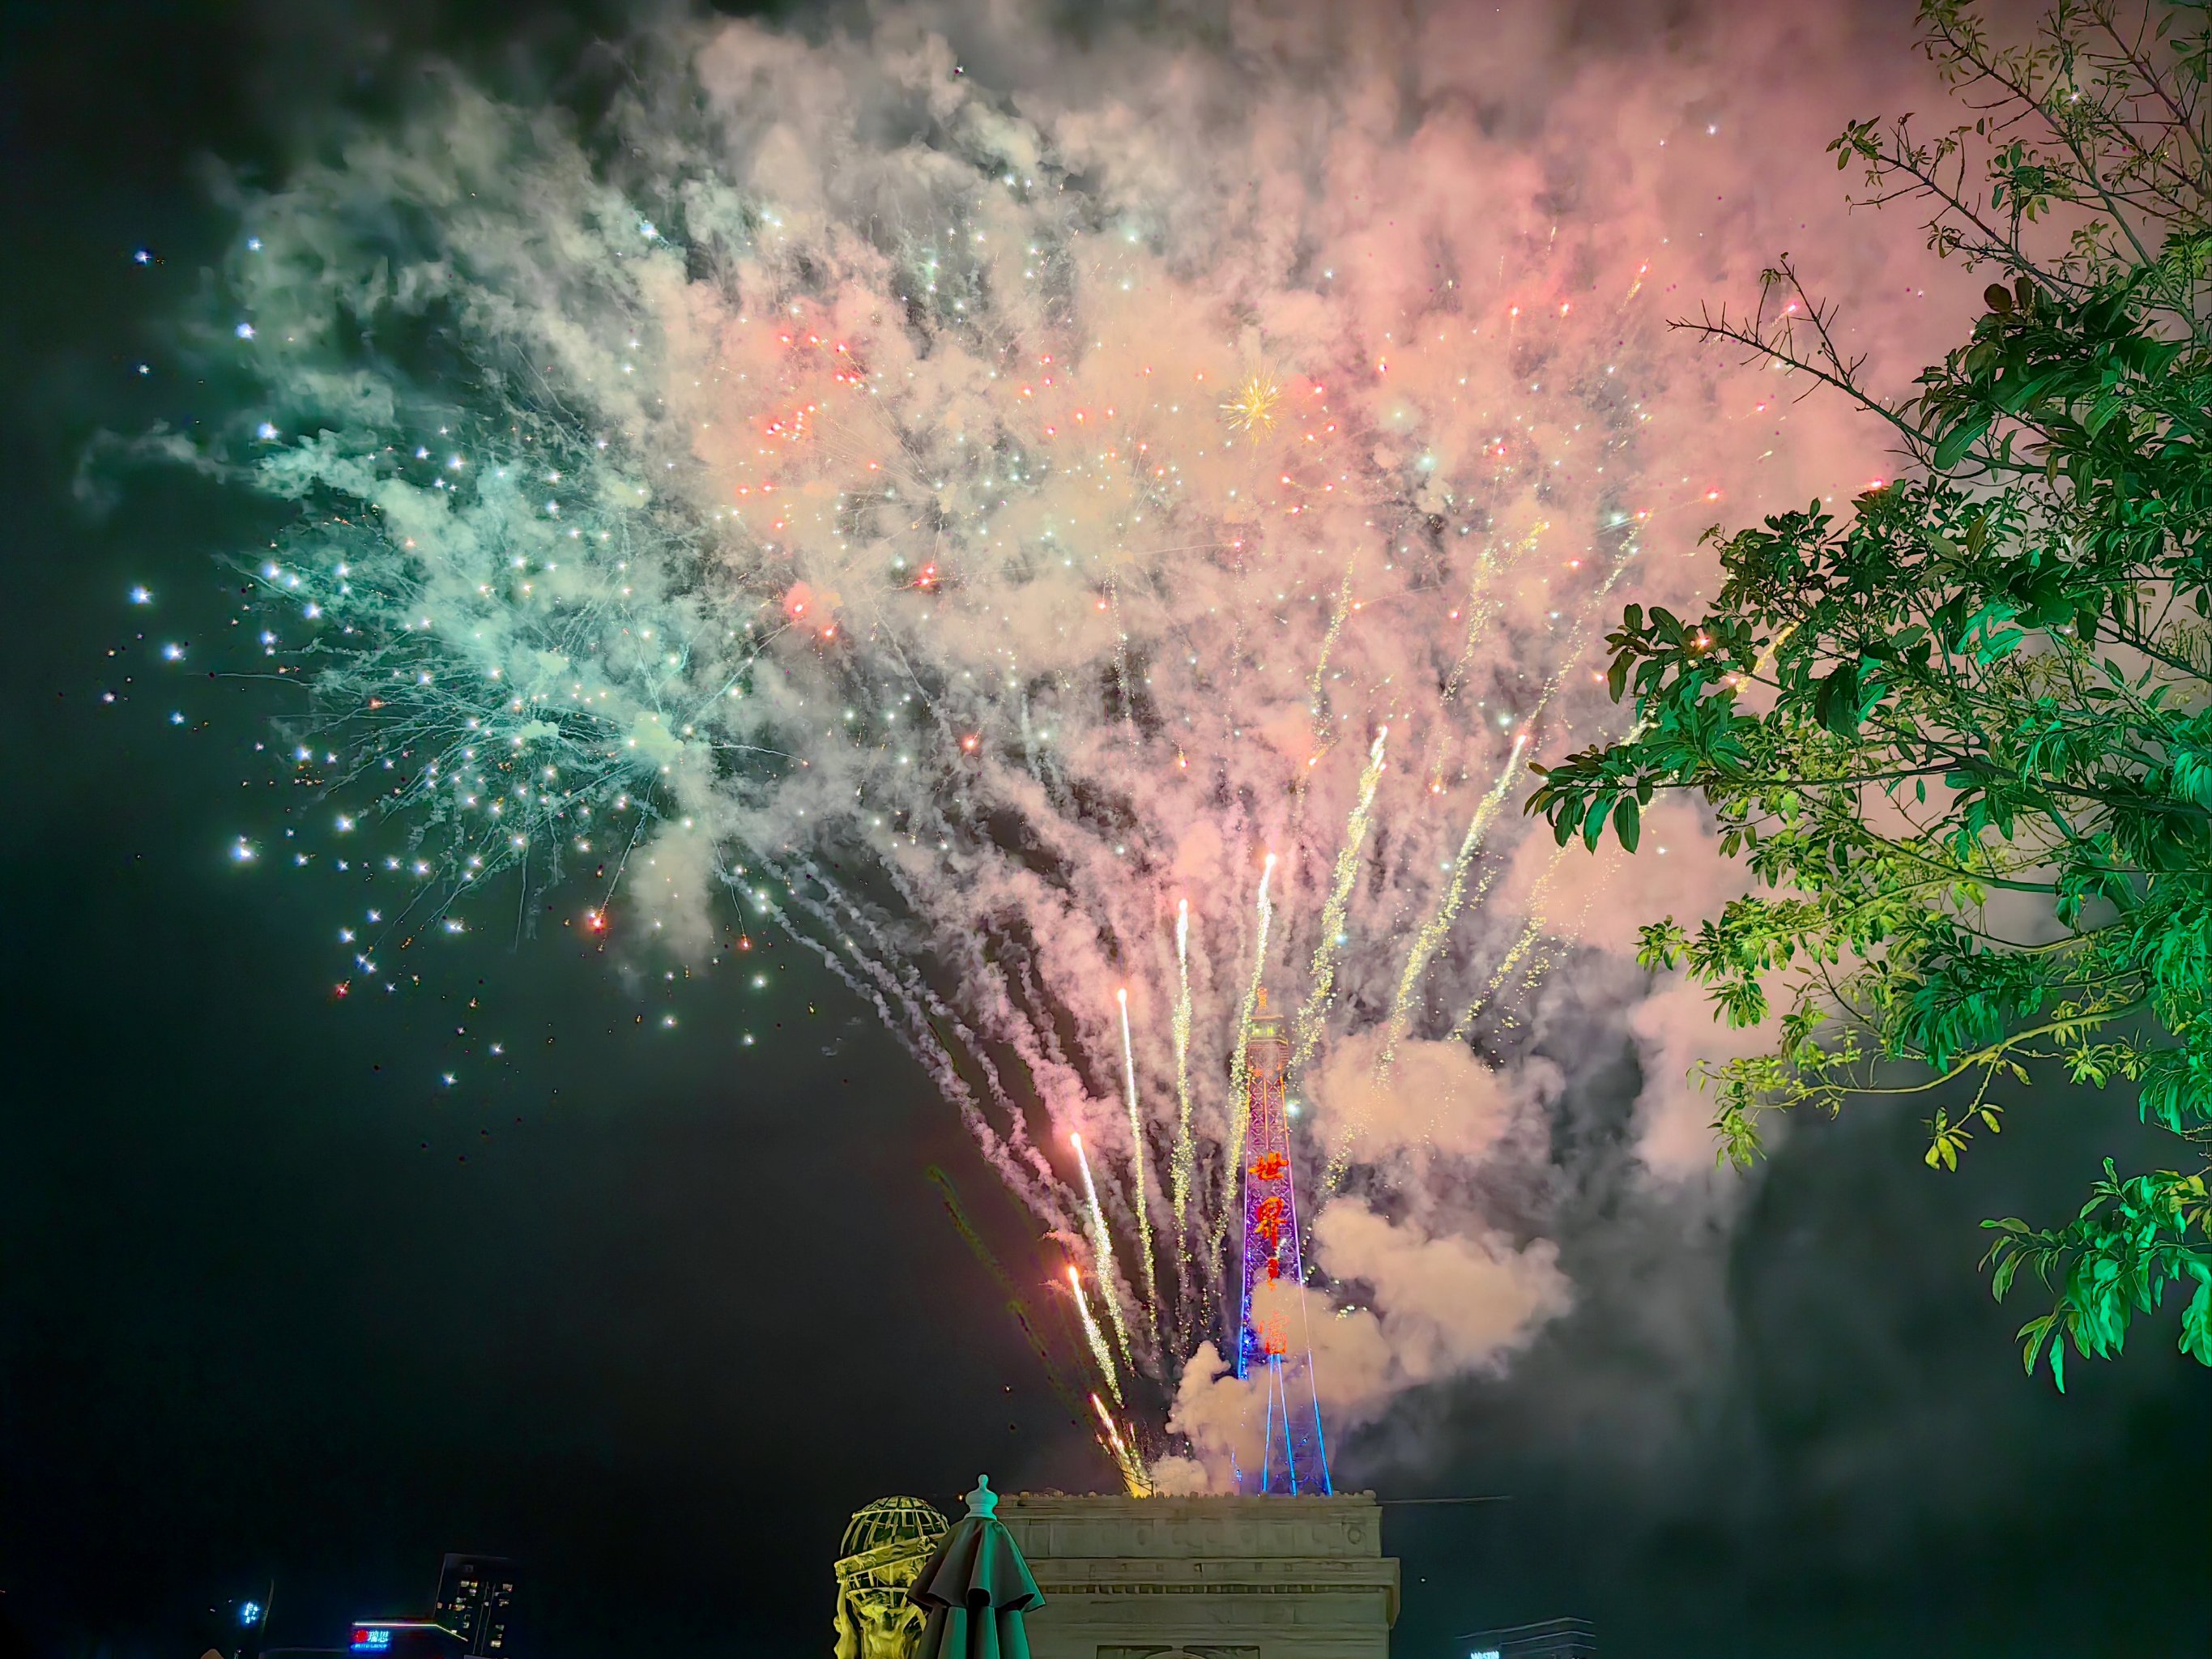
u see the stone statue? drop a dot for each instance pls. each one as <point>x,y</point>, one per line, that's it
<point>885,1546</point>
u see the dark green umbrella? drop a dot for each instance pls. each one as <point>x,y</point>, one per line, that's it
<point>976,1588</point>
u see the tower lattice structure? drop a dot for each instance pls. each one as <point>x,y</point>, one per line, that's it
<point>1272,1343</point>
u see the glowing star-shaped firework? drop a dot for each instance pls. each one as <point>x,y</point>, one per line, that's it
<point>1254,404</point>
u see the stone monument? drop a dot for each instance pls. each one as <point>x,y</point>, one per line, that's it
<point>1269,1577</point>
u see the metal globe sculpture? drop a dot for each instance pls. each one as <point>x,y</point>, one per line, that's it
<point>885,1547</point>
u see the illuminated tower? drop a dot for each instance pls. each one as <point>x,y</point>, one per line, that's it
<point>1271,1341</point>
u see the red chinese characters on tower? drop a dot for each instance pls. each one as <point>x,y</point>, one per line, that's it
<point>1294,1458</point>
<point>1269,1217</point>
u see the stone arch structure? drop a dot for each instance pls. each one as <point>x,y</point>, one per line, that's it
<point>1206,1577</point>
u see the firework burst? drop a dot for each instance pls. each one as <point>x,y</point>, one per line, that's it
<point>871,561</point>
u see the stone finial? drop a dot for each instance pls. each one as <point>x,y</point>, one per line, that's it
<point>983,1501</point>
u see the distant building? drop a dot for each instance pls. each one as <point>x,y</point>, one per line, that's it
<point>476,1598</point>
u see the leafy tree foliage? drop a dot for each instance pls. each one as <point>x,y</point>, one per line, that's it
<point>1961,736</point>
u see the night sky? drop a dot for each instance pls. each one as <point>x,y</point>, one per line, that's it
<point>654,1317</point>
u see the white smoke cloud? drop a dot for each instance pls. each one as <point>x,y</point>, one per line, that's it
<point>1440,1305</point>
<point>966,493</point>
<point>1678,872</point>
<point>1675,1030</point>
<point>1222,1417</point>
<point>1435,1099</point>
<point>1435,1306</point>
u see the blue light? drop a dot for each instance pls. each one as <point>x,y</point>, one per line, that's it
<point>248,1612</point>
<point>369,1638</point>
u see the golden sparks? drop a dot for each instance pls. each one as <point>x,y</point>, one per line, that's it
<point>1254,405</point>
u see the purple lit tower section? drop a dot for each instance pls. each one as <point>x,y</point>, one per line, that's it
<point>1271,1341</point>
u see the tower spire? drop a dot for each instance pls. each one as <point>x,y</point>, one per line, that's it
<point>1271,1338</point>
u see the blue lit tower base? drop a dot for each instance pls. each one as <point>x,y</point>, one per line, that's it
<point>1271,1341</point>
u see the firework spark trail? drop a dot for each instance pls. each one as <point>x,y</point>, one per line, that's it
<point>1532,929</point>
<point>905,1007</point>
<point>1143,1202</point>
<point>1480,608</point>
<point>1773,648</point>
<point>1541,961</point>
<point>1548,950</point>
<point>1185,1154</point>
<point>1031,1038</point>
<point>1431,938</point>
<point>1102,1243</point>
<point>868,981</point>
<point>924,1025</point>
<point>1530,932</point>
<point>1136,1479</point>
<point>1342,609</point>
<point>1240,1070</point>
<point>1330,944</point>
<point>1092,1334</point>
<point>1030,1034</point>
<point>1427,942</point>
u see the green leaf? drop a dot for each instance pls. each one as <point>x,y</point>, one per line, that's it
<point>1995,646</point>
<point>2001,1280</point>
<point>1594,818</point>
<point>1624,822</point>
<point>1836,705</point>
<point>1957,441</point>
<point>2196,1323</point>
